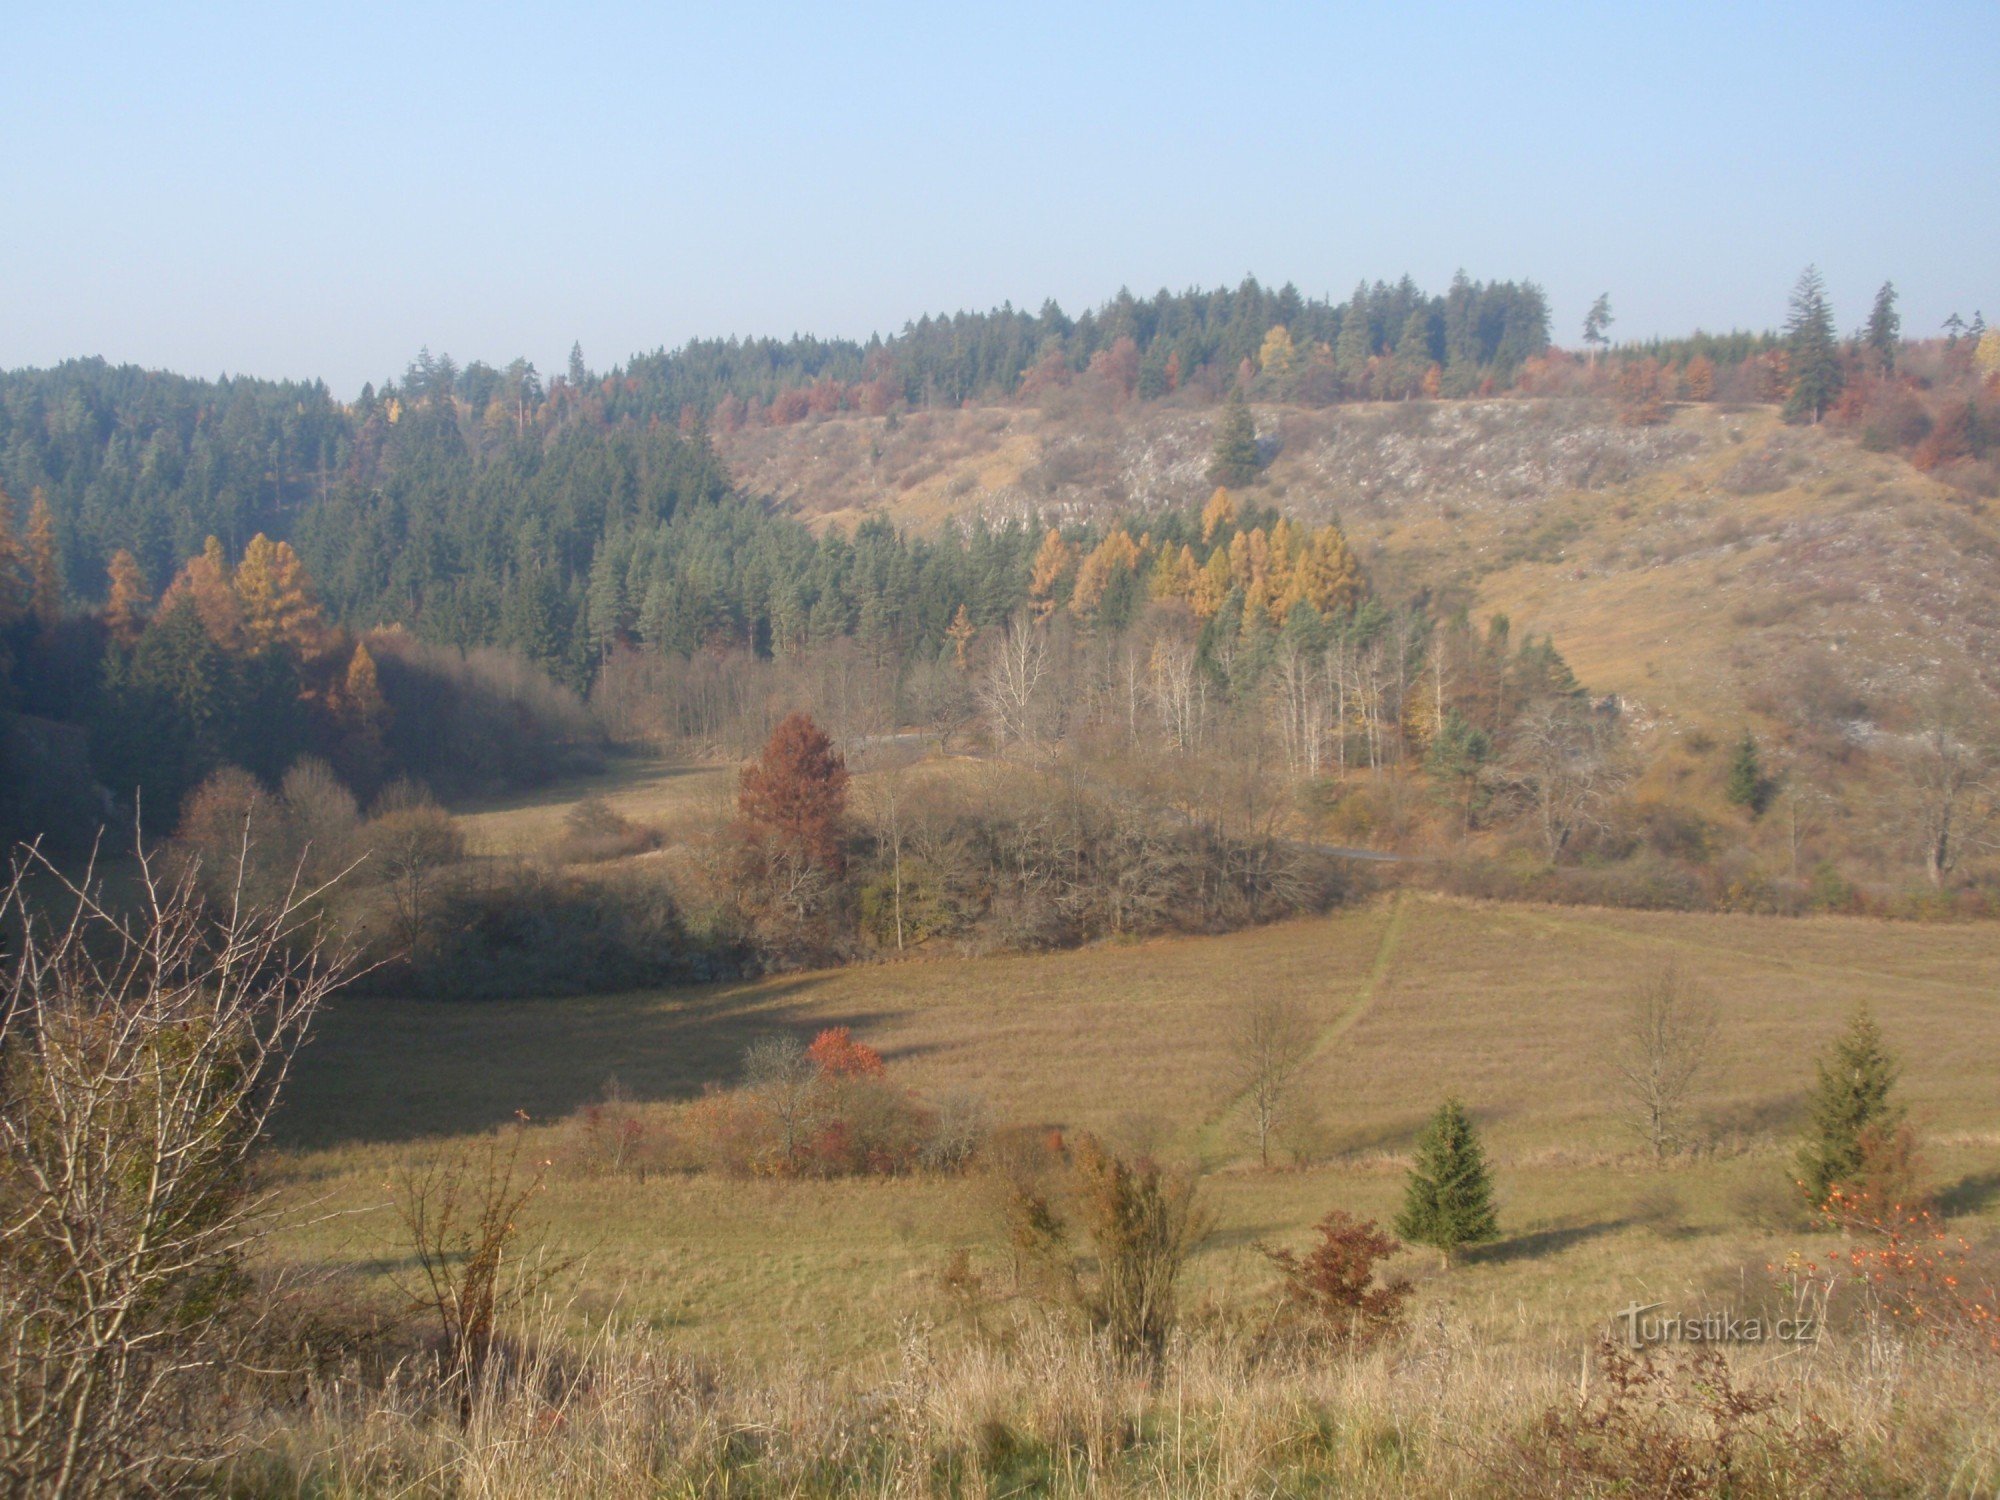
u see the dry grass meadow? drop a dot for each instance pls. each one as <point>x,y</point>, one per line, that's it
<point>791,1337</point>
<point>1516,1009</point>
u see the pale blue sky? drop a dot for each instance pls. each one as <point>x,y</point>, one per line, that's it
<point>283,190</point>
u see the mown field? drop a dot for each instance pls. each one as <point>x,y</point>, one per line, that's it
<point>1517,1009</point>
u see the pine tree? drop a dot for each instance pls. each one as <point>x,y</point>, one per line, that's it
<point>1448,1202</point>
<point>1850,1106</point>
<point>1595,322</point>
<point>1413,353</point>
<point>1355,343</point>
<point>1747,785</point>
<point>1884,335</point>
<point>1813,350</point>
<point>1235,461</point>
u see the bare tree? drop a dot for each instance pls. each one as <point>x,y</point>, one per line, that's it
<point>1949,799</point>
<point>1177,688</point>
<point>1269,1042</point>
<point>1668,1041</point>
<point>413,846</point>
<point>1566,761</point>
<point>788,1080</point>
<point>144,1049</point>
<point>464,1215</point>
<point>1013,687</point>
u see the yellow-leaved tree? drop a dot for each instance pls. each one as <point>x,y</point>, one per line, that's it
<point>44,562</point>
<point>1277,358</point>
<point>125,609</point>
<point>1052,565</point>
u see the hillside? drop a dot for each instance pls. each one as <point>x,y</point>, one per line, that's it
<point>1718,571</point>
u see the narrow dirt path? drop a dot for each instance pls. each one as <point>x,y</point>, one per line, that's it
<point>1212,1145</point>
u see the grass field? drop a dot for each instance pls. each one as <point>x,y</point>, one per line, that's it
<point>1516,1008</point>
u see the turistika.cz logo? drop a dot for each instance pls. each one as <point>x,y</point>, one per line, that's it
<point>1644,1325</point>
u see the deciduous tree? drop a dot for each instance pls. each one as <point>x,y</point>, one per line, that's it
<point>796,793</point>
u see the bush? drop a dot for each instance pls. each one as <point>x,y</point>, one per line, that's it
<point>1140,1223</point>
<point>1677,1425</point>
<point>532,931</point>
<point>594,831</point>
<point>1330,1293</point>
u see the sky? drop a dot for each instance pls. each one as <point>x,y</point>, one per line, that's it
<point>293,191</point>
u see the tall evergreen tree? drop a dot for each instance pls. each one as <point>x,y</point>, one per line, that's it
<point>1815,352</point>
<point>1595,322</point>
<point>1747,784</point>
<point>1851,1106</point>
<point>1356,343</point>
<point>1448,1202</point>
<point>1884,334</point>
<point>1235,461</point>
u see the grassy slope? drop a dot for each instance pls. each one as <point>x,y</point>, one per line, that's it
<point>1688,568</point>
<point>1514,1007</point>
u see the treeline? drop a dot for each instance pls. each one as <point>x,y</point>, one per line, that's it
<point>155,463</point>
<point>238,664</point>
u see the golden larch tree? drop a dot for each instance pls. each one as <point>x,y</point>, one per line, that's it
<point>1212,585</point>
<point>44,562</point>
<point>1052,564</point>
<point>1116,553</point>
<point>1328,578</point>
<point>960,634</point>
<point>125,609</point>
<point>1218,513</point>
<point>13,567</point>
<point>207,581</point>
<point>1277,357</point>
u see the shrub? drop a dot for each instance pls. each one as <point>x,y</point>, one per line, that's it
<point>1675,1425</point>
<point>1332,1289</point>
<point>594,830</point>
<point>1140,1222</point>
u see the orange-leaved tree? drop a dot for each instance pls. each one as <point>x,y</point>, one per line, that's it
<point>838,1055</point>
<point>796,794</point>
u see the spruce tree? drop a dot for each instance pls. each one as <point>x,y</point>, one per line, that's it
<point>1747,786</point>
<point>1884,335</point>
<point>1235,444</point>
<point>1850,1105</point>
<point>1814,350</point>
<point>1448,1202</point>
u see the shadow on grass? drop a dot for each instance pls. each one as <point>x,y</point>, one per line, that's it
<point>1973,1193</point>
<point>381,1070</point>
<point>1540,1242</point>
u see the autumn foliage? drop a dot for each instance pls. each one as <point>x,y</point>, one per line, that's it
<point>795,795</point>
<point>1332,1289</point>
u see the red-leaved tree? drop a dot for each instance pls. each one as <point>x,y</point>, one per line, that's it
<point>840,1056</point>
<point>796,794</point>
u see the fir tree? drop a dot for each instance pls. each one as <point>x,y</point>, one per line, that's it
<point>1747,784</point>
<point>1448,1202</point>
<point>1355,343</point>
<point>1884,335</point>
<point>1814,351</point>
<point>1235,444</point>
<point>1850,1107</point>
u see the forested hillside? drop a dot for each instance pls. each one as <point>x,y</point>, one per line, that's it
<point>1342,530</point>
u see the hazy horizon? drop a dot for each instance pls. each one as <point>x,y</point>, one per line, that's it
<point>298,197</point>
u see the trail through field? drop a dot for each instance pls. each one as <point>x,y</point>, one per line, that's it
<point>1371,984</point>
<point>1211,1147</point>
